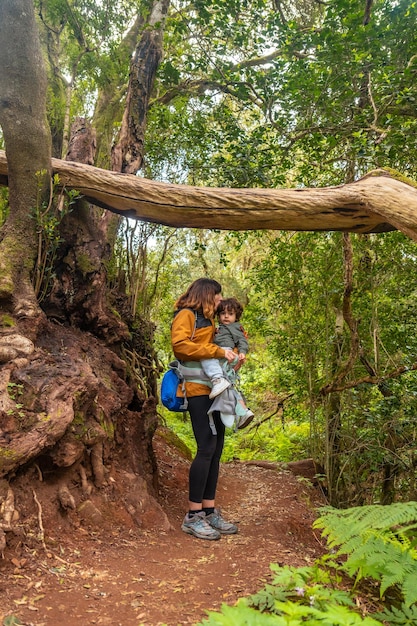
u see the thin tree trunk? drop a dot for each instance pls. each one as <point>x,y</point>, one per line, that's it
<point>128,152</point>
<point>333,420</point>
<point>341,370</point>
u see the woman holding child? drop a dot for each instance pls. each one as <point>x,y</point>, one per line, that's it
<point>192,335</point>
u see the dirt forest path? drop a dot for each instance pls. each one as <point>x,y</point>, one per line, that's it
<point>130,577</point>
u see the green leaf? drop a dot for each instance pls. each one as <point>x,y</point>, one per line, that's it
<point>12,620</point>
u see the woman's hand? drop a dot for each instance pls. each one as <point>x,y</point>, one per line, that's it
<point>229,355</point>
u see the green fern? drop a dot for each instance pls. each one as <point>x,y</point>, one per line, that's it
<point>264,600</point>
<point>288,614</point>
<point>307,595</point>
<point>404,616</point>
<point>379,542</point>
<point>334,615</point>
<point>244,616</point>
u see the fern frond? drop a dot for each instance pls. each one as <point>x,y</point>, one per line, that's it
<point>378,541</point>
<point>341,615</point>
<point>342,525</point>
<point>409,589</point>
<point>402,616</point>
<point>333,614</point>
<point>241,614</point>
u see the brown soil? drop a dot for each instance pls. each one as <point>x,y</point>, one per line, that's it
<point>118,574</point>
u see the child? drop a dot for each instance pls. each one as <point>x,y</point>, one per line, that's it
<point>230,334</point>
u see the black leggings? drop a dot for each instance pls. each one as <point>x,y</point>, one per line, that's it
<point>204,470</point>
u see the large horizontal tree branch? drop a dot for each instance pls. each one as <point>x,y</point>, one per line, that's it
<point>374,204</point>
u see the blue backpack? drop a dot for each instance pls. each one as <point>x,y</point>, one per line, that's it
<point>169,387</point>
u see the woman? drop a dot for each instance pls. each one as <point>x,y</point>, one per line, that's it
<point>192,334</point>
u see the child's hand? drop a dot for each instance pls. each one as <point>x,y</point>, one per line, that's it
<point>242,358</point>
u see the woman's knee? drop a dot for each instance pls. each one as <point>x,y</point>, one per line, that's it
<point>207,451</point>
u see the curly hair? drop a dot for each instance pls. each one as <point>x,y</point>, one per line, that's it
<point>232,305</point>
<point>200,296</point>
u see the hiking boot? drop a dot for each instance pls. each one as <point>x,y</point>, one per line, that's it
<point>246,419</point>
<point>197,526</point>
<point>219,385</point>
<point>216,521</point>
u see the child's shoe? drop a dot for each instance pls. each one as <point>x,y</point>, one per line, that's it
<point>246,419</point>
<point>219,385</point>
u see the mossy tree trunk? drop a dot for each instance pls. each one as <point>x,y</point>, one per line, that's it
<point>79,284</point>
<point>69,400</point>
<point>28,147</point>
<point>128,152</point>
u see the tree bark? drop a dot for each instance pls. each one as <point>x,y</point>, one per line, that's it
<point>127,154</point>
<point>109,104</point>
<point>79,290</point>
<point>22,107</point>
<point>376,203</point>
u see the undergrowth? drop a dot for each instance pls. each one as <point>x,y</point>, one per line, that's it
<point>368,578</point>
<point>270,442</point>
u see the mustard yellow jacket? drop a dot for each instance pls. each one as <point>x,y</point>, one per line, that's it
<point>192,340</point>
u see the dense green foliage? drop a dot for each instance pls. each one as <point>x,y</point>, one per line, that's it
<point>273,441</point>
<point>308,95</point>
<point>379,545</point>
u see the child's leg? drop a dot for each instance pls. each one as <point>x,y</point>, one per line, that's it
<point>244,414</point>
<point>212,368</point>
<point>240,408</point>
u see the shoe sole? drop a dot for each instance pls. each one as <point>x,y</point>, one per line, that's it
<point>192,532</point>
<point>227,532</point>
<point>246,423</point>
